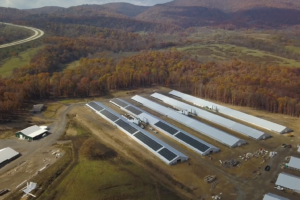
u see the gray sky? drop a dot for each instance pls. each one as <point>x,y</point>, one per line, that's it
<point>67,3</point>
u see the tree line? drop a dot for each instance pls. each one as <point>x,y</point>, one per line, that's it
<point>270,88</point>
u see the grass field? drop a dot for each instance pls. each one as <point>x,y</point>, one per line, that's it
<point>7,66</point>
<point>51,110</point>
<point>293,48</point>
<point>102,178</point>
<point>211,52</point>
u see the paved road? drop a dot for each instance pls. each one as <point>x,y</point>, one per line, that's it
<point>37,34</point>
<point>27,149</point>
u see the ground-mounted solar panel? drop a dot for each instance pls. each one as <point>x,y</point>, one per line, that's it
<point>148,141</point>
<point>166,127</point>
<point>194,143</point>
<point>118,102</point>
<point>126,126</point>
<point>95,106</point>
<point>133,110</point>
<point>109,115</point>
<point>166,153</point>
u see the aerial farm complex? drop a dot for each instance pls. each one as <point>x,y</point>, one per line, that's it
<point>209,120</point>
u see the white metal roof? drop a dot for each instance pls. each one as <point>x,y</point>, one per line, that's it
<point>152,120</point>
<point>233,113</point>
<point>33,131</point>
<point>240,128</point>
<point>298,149</point>
<point>7,153</point>
<point>31,186</point>
<point>164,146</point>
<point>294,163</point>
<point>289,181</point>
<point>205,129</point>
<point>271,196</point>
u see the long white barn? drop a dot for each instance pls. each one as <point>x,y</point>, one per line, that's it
<point>294,163</point>
<point>227,123</point>
<point>190,141</point>
<point>271,196</point>
<point>166,153</point>
<point>289,181</point>
<point>200,127</point>
<point>233,113</point>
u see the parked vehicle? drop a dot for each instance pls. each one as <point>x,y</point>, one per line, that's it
<point>278,187</point>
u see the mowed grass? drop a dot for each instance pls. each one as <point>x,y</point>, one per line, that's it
<point>108,180</point>
<point>51,110</point>
<point>9,64</point>
<point>293,49</point>
<point>227,52</point>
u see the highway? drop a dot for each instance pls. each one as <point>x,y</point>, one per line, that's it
<point>37,34</point>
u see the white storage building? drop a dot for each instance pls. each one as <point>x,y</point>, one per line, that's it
<point>31,133</point>
<point>227,123</point>
<point>289,181</point>
<point>163,151</point>
<point>198,126</point>
<point>190,141</point>
<point>294,163</point>
<point>6,155</point>
<point>233,113</point>
<point>271,196</point>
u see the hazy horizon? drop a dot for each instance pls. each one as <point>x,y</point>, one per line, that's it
<point>30,4</point>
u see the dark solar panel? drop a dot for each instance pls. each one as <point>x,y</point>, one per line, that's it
<point>109,115</point>
<point>148,141</point>
<point>166,153</point>
<point>118,102</point>
<point>194,143</point>
<point>95,106</point>
<point>126,126</point>
<point>166,127</point>
<point>133,110</point>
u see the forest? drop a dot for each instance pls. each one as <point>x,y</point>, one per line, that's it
<point>165,54</point>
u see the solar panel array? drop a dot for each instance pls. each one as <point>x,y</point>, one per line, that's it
<point>133,110</point>
<point>233,113</point>
<point>198,126</point>
<point>227,123</point>
<point>179,135</point>
<point>151,143</point>
<point>194,143</point>
<point>126,126</point>
<point>141,136</point>
<point>169,155</point>
<point>95,106</point>
<point>109,115</point>
<point>118,102</point>
<point>166,127</point>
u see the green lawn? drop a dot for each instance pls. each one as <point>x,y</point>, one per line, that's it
<point>6,68</point>
<point>293,48</point>
<point>211,52</point>
<point>73,65</point>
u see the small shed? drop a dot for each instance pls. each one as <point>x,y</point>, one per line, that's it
<point>31,133</point>
<point>38,108</point>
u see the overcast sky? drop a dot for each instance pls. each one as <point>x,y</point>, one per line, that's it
<point>67,3</point>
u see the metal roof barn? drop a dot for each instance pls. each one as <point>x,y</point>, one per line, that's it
<point>227,123</point>
<point>233,113</point>
<point>271,196</point>
<point>166,153</point>
<point>294,163</point>
<point>190,141</point>
<point>7,154</point>
<point>289,181</point>
<point>198,126</point>
<point>31,132</point>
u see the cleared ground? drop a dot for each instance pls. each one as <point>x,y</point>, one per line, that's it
<point>222,52</point>
<point>9,64</point>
